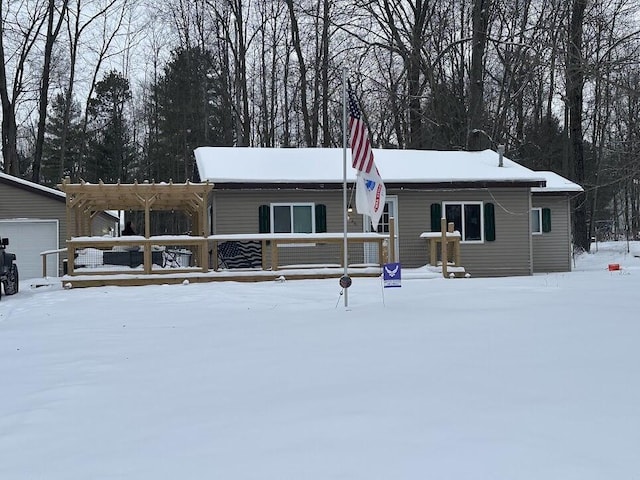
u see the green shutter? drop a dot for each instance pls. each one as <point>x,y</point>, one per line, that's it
<point>489,222</point>
<point>321,218</point>
<point>436,216</point>
<point>546,220</point>
<point>264,223</point>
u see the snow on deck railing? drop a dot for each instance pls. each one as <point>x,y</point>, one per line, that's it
<point>203,244</point>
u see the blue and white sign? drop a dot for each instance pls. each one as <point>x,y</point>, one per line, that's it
<point>391,275</point>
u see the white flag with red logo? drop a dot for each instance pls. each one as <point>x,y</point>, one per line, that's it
<point>370,195</point>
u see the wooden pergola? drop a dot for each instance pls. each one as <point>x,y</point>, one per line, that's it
<point>86,200</point>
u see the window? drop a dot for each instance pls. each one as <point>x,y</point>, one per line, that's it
<point>536,221</point>
<point>467,218</point>
<point>383,224</point>
<point>292,218</point>
<point>540,220</point>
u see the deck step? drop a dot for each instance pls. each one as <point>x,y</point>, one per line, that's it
<point>459,273</point>
<point>452,271</point>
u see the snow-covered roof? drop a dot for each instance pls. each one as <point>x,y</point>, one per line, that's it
<point>325,165</point>
<point>556,183</point>
<point>32,185</point>
<point>46,190</point>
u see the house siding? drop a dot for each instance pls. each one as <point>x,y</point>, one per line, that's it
<point>552,250</point>
<point>17,202</point>
<point>236,211</point>
<point>508,255</point>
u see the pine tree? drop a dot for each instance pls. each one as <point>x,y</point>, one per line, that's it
<point>112,154</point>
<point>193,109</point>
<point>52,149</point>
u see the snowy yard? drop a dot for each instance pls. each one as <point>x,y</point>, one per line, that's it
<point>514,378</point>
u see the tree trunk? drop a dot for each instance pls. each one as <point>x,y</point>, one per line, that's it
<point>575,86</point>
<point>52,34</point>
<point>9,127</point>
<point>326,19</point>
<point>480,20</point>
<point>295,34</point>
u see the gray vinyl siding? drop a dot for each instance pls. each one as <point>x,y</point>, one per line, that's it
<point>236,211</point>
<point>17,202</point>
<point>552,250</point>
<point>510,254</point>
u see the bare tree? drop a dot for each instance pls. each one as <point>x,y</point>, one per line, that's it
<point>575,86</point>
<point>302,65</point>
<point>480,21</point>
<point>75,28</point>
<point>22,26</point>
<point>53,29</point>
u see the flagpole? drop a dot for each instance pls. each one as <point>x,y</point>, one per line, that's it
<point>344,182</point>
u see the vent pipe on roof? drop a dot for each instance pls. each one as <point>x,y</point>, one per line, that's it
<point>500,154</point>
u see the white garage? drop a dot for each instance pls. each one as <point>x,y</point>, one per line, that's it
<point>29,237</point>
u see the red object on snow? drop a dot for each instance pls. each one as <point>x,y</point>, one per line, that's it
<point>614,266</point>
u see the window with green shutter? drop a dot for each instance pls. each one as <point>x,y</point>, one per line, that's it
<point>436,216</point>
<point>264,219</point>
<point>489,222</point>
<point>546,220</point>
<point>292,218</point>
<point>467,218</point>
<point>321,218</point>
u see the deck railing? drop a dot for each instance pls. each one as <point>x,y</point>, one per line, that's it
<point>117,255</point>
<point>271,243</point>
<point>178,253</point>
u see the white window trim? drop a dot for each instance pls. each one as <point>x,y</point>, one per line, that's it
<point>291,205</point>
<point>539,232</point>
<point>462,203</point>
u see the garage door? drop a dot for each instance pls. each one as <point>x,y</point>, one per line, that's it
<point>27,238</point>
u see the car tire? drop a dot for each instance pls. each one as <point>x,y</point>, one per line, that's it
<point>11,285</point>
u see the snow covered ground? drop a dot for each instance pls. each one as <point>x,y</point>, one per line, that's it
<point>511,378</point>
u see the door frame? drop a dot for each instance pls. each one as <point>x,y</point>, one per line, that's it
<point>370,250</point>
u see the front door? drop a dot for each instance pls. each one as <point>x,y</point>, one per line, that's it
<point>390,210</point>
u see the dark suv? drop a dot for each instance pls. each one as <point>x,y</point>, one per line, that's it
<point>8,269</point>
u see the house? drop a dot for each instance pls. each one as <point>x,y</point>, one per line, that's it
<point>550,222</point>
<point>33,218</point>
<point>512,220</point>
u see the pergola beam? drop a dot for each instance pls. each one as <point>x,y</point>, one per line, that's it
<point>84,200</point>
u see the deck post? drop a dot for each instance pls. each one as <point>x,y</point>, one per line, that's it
<point>146,256</point>
<point>445,256</point>
<point>392,240</point>
<point>203,255</point>
<point>215,255</point>
<point>263,256</point>
<point>71,259</point>
<point>274,255</point>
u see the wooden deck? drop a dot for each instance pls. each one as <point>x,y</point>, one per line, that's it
<point>99,280</point>
<point>99,273</point>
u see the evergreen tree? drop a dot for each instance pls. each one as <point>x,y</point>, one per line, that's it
<point>51,171</point>
<point>112,154</point>
<point>192,109</point>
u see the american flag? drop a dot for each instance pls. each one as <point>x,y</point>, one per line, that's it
<point>240,254</point>
<point>361,153</point>
<point>370,190</point>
